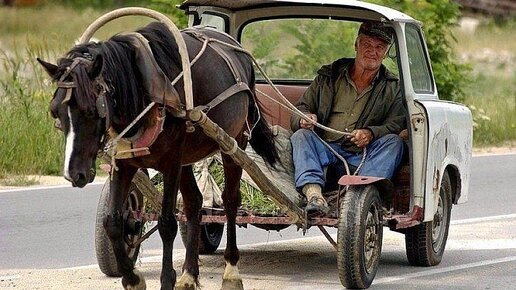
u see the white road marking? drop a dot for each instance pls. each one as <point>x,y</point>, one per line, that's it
<point>45,187</point>
<point>69,146</point>
<point>475,245</point>
<point>443,270</point>
<point>483,219</point>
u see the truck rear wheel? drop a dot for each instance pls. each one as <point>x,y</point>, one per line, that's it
<point>209,238</point>
<point>425,243</point>
<point>359,237</point>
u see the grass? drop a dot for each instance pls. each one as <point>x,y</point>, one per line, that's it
<point>30,144</point>
<point>252,198</point>
<point>54,27</point>
<point>492,92</point>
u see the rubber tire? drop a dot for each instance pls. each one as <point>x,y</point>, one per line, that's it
<point>103,249</point>
<point>356,270</point>
<point>421,247</point>
<point>209,238</point>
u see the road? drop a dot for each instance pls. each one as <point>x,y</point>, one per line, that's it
<point>53,228</point>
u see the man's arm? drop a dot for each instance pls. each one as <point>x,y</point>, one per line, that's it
<point>395,121</point>
<point>306,104</point>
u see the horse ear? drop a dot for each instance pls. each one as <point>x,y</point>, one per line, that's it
<point>51,69</point>
<point>96,67</point>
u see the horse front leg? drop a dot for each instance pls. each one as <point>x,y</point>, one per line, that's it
<point>167,223</point>
<point>114,226</point>
<point>231,197</point>
<point>192,201</point>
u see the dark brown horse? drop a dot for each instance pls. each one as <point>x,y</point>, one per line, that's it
<point>109,69</point>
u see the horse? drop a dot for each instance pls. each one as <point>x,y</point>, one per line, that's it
<point>110,73</point>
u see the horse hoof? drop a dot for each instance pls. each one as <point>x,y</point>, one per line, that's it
<point>232,284</point>
<point>186,282</point>
<point>140,285</point>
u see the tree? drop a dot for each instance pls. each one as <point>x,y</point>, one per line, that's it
<point>438,17</point>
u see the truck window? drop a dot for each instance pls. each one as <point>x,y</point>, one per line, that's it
<point>419,70</point>
<point>216,21</point>
<point>294,49</point>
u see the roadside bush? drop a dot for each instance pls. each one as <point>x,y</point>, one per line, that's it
<point>439,17</point>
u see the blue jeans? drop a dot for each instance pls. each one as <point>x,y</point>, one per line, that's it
<point>311,156</point>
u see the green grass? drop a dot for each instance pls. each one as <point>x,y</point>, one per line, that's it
<point>491,94</point>
<point>252,199</point>
<point>54,27</point>
<point>29,142</point>
<point>493,104</point>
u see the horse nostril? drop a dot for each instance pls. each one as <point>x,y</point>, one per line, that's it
<point>81,180</point>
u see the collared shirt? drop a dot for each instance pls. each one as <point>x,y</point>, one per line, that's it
<point>347,106</point>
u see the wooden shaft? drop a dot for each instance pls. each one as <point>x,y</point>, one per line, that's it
<point>227,144</point>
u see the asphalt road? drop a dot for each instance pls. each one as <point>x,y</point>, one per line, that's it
<point>53,228</point>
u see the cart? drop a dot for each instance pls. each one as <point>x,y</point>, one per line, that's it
<point>416,203</point>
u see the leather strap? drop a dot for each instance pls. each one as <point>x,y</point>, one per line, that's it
<point>157,84</point>
<point>236,88</point>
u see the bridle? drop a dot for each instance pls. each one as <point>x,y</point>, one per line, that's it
<point>101,104</point>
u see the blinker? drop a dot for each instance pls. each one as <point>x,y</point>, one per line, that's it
<point>101,104</point>
<point>68,96</point>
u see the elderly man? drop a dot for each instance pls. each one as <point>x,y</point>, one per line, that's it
<point>360,96</point>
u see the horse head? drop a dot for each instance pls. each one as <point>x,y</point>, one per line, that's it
<point>81,111</point>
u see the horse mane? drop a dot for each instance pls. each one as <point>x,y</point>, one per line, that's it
<point>120,72</point>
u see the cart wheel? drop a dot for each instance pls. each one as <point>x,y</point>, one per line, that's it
<point>209,239</point>
<point>104,251</point>
<point>425,243</point>
<point>359,236</point>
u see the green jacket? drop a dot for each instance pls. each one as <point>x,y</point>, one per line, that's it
<point>383,114</point>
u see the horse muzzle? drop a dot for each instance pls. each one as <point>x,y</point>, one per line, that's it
<point>80,179</point>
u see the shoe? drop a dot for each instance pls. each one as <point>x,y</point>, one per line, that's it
<point>316,206</point>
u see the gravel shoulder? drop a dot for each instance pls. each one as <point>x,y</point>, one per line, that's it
<point>42,180</point>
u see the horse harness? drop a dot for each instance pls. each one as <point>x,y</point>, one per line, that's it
<point>162,93</point>
<point>100,102</point>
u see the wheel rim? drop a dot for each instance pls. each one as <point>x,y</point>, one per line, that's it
<point>439,225</point>
<point>132,203</point>
<point>371,241</point>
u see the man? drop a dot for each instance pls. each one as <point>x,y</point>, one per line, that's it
<point>359,96</point>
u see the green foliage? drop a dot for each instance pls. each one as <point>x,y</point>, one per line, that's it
<point>320,42</point>
<point>493,105</point>
<point>169,7</point>
<point>252,198</point>
<point>30,144</point>
<point>261,50</point>
<point>439,17</point>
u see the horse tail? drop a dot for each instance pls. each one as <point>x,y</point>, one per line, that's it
<point>262,139</point>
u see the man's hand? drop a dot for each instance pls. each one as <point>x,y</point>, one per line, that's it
<point>307,125</point>
<point>361,137</point>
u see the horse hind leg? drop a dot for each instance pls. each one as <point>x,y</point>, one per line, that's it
<point>192,200</point>
<point>113,224</point>
<point>231,197</point>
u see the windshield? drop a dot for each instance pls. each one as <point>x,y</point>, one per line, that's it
<point>294,49</point>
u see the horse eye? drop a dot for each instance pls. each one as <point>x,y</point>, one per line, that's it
<point>90,114</point>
